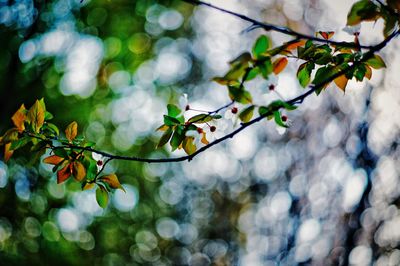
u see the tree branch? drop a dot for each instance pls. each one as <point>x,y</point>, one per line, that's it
<point>281,29</point>
<point>297,100</point>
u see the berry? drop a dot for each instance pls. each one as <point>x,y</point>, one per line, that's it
<point>99,163</point>
<point>284,118</point>
<point>213,128</point>
<point>271,87</point>
<point>199,130</point>
<point>234,110</point>
<point>187,108</point>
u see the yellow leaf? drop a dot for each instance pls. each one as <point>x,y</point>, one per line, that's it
<point>88,186</point>
<point>36,116</point>
<point>53,159</point>
<point>279,65</point>
<point>79,170</point>
<point>7,152</point>
<point>19,118</point>
<point>341,82</point>
<point>71,131</point>
<point>368,72</point>
<point>10,136</point>
<point>64,173</point>
<point>204,139</point>
<point>112,180</point>
<point>189,146</point>
<point>162,128</point>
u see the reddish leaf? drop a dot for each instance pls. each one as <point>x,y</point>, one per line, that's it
<point>64,173</point>
<point>19,118</point>
<point>71,131</point>
<point>326,35</point>
<point>53,159</point>
<point>279,65</point>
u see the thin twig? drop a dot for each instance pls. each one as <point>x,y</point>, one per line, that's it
<point>281,29</point>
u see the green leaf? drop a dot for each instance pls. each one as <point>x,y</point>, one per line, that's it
<point>177,137</point>
<point>263,110</point>
<point>242,59</point>
<point>19,143</point>
<point>189,146</point>
<point>376,62</point>
<point>282,104</point>
<point>236,72</point>
<point>322,75</point>
<point>363,10</point>
<point>239,95</point>
<point>252,73</point>
<point>41,102</point>
<point>171,121</point>
<point>36,116</point>
<point>304,73</point>
<point>360,72</point>
<point>390,23</point>
<point>246,115</point>
<point>261,46</point>
<point>48,116</point>
<point>173,110</point>
<point>40,145</point>
<point>102,197</point>
<point>165,138</point>
<point>61,152</point>
<point>266,68</point>
<point>91,168</point>
<point>89,144</point>
<point>51,127</point>
<point>278,119</point>
<point>202,118</point>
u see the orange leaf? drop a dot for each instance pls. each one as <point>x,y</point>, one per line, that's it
<point>36,116</point>
<point>53,159</point>
<point>64,173</point>
<point>7,152</point>
<point>294,44</point>
<point>279,65</point>
<point>71,131</point>
<point>368,72</point>
<point>19,118</point>
<point>326,35</point>
<point>79,170</point>
<point>341,82</point>
<point>112,180</point>
<point>204,139</point>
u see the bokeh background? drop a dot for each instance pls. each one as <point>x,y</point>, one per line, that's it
<point>324,192</point>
